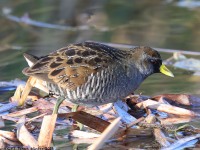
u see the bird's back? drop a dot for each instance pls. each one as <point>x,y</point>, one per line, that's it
<point>84,72</point>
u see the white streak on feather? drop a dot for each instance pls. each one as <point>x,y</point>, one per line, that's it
<point>69,94</point>
<point>29,62</point>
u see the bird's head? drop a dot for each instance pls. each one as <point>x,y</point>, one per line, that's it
<point>149,61</point>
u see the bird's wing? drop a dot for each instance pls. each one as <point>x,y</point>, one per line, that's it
<point>71,66</point>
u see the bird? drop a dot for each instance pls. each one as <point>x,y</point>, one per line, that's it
<point>91,73</point>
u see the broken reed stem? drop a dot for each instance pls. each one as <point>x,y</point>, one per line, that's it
<point>10,142</point>
<point>9,135</point>
<point>23,112</point>
<point>135,122</point>
<point>17,93</point>
<point>166,108</point>
<point>36,117</point>
<point>175,120</point>
<point>109,132</point>
<point>29,84</point>
<point>7,107</point>
<point>46,131</point>
<point>181,142</point>
<point>25,137</point>
<point>160,137</point>
<point>158,134</point>
<point>2,143</point>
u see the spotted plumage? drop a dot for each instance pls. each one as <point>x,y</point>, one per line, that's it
<point>94,73</point>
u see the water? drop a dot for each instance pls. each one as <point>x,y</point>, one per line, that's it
<point>154,23</point>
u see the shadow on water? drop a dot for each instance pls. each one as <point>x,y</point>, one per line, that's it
<point>153,23</point>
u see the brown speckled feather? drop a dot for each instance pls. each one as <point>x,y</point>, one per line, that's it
<point>69,67</point>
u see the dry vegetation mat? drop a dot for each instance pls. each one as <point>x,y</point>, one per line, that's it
<point>164,118</point>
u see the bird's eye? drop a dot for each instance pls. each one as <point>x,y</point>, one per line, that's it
<point>153,61</point>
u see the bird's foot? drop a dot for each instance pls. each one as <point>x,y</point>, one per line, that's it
<point>74,109</point>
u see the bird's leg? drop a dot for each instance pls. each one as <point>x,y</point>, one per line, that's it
<point>57,105</point>
<point>74,109</point>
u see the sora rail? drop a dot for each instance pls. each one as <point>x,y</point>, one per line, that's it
<point>91,73</point>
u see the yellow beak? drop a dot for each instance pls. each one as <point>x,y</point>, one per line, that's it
<point>164,70</point>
